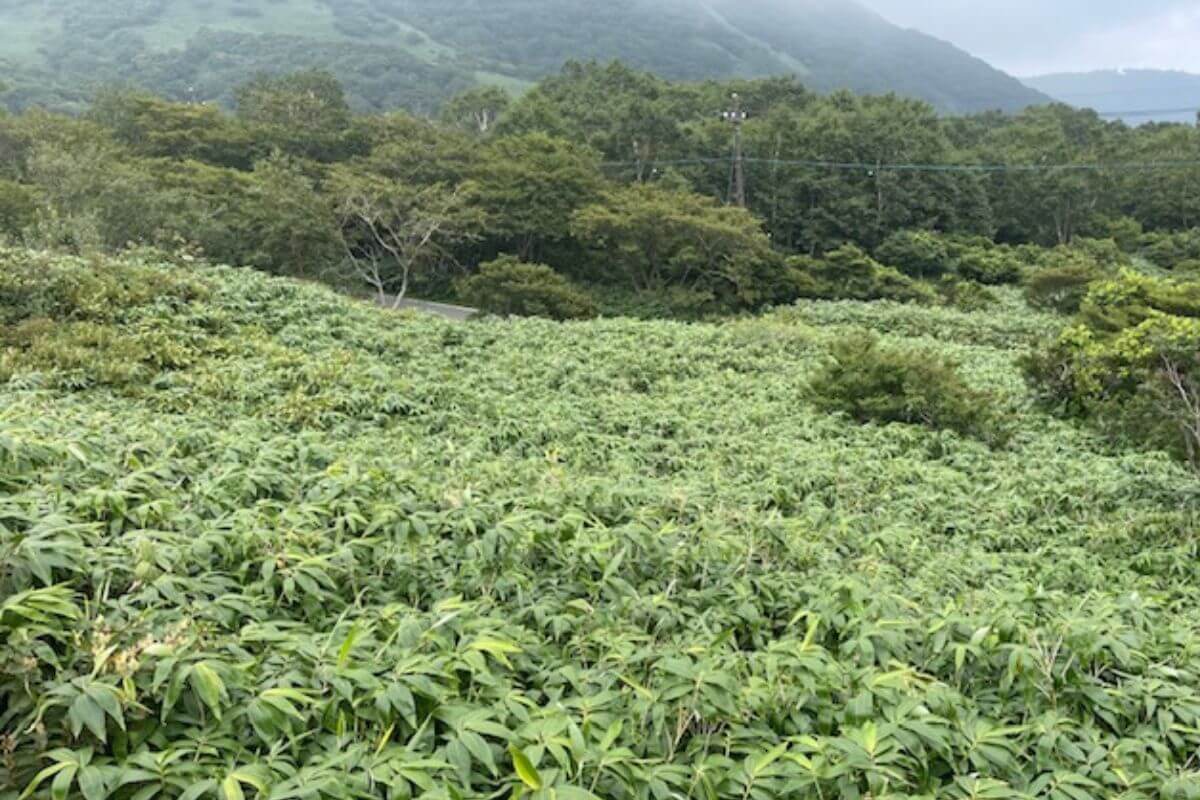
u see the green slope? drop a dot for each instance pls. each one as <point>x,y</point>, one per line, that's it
<point>255,532</point>
<point>414,53</point>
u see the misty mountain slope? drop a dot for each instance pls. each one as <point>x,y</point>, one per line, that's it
<point>415,53</point>
<point>1155,95</point>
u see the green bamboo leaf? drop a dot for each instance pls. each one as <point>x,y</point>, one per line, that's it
<point>347,646</point>
<point>231,789</point>
<point>61,784</point>
<point>525,769</point>
<point>93,784</point>
<point>85,712</point>
<point>208,686</point>
<point>43,776</point>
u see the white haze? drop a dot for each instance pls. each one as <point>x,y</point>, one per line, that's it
<point>1032,37</point>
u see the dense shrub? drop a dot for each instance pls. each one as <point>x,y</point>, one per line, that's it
<point>355,555</point>
<point>1131,363</point>
<point>1127,232</point>
<point>1104,252</point>
<point>1062,283</point>
<point>966,295</point>
<point>992,266</point>
<point>49,286</point>
<point>872,382</point>
<point>56,315</point>
<point>1169,250</point>
<point>848,273</point>
<point>918,254</point>
<point>18,208</point>
<point>510,287</point>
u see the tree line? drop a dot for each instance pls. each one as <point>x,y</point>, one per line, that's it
<point>613,179</point>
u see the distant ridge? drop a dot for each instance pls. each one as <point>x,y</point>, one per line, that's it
<point>1137,96</point>
<point>415,53</point>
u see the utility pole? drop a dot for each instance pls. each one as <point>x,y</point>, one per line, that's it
<point>737,176</point>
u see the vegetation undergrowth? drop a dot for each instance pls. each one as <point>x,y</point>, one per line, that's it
<point>333,552</point>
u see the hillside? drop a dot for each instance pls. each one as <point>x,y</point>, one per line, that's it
<point>262,541</point>
<point>415,53</point>
<point>1154,95</point>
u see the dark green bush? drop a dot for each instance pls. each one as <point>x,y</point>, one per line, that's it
<point>918,254</point>
<point>18,207</point>
<point>871,382</point>
<point>1062,284</point>
<point>64,315</point>
<point>848,273</point>
<point>1169,250</point>
<point>965,295</point>
<point>1104,252</point>
<point>509,286</point>
<point>993,267</point>
<point>1127,232</point>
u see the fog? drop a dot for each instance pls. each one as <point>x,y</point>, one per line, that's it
<point>1031,37</point>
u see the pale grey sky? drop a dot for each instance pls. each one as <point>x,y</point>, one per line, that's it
<point>1030,37</point>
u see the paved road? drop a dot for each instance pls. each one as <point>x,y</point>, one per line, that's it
<point>444,310</point>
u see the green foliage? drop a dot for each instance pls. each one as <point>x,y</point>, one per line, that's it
<point>350,554</point>
<point>507,286</point>
<point>653,237</point>
<point>155,128</point>
<point>1126,231</point>
<point>477,111</point>
<point>918,254</point>
<point>37,285</point>
<point>1062,281</point>
<point>531,185</point>
<point>303,113</point>
<point>18,208</point>
<point>1130,362</point>
<point>850,274</point>
<point>871,382</point>
<point>1170,250</point>
<point>967,295</point>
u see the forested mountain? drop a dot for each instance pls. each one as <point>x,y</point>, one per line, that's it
<point>416,53</point>
<point>1137,96</point>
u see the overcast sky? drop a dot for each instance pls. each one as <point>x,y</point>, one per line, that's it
<point>1031,37</point>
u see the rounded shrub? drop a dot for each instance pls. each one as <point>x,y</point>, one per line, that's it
<point>1062,284</point>
<point>871,382</point>
<point>510,287</point>
<point>918,254</point>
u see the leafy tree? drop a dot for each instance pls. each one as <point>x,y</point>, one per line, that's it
<point>304,113</point>
<point>530,185</point>
<point>391,230</point>
<point>655,237</point>
<point>1050,206</point>
<point>414,150</point>
<point>476,111</point>
<point>18,208</point>
<point>1062,281</point>
<point>918,254</point>
<point>156,128</point>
